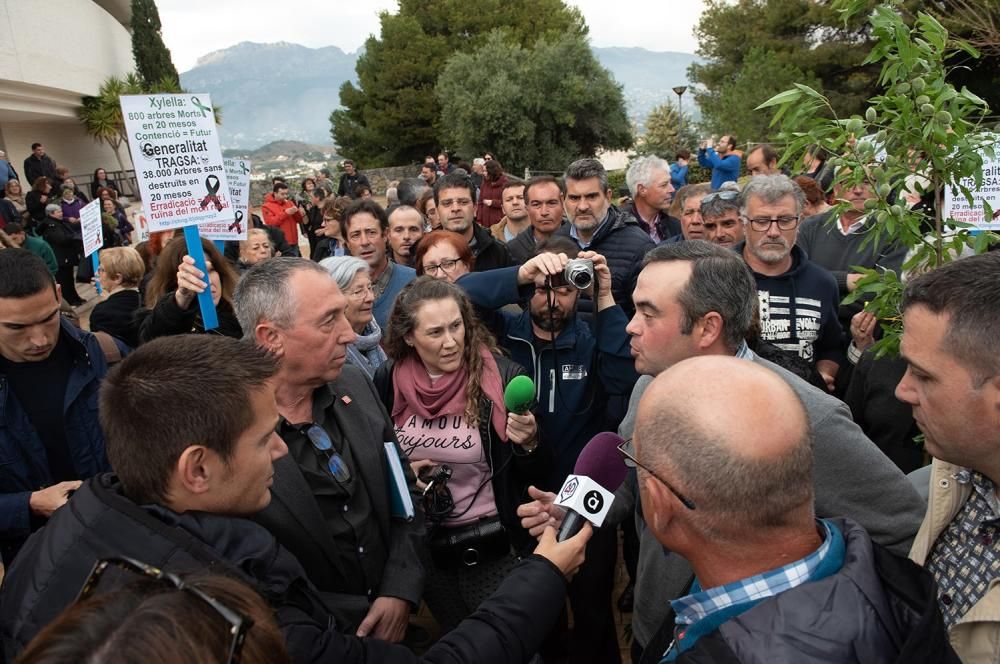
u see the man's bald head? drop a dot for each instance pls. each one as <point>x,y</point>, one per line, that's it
<point>736,440</point>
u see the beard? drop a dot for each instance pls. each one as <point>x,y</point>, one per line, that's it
<point>770,253</point>
<point>556,321</point>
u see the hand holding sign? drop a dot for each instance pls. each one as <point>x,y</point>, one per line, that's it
<point>190,282</point>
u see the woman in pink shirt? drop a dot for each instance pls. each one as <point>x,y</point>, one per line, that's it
<point>443,387</point>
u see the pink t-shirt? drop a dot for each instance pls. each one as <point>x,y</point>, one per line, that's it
<point>450,440</point>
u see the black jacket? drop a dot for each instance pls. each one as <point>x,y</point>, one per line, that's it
<point>623,242</point>
<point>100,521</point>
<point>117,316</point>
<point>877,608</point>
<point>167,319</point>
<point>64,238</point>
<point>512,472</point>
<point>489,253</point>
<point>35,168</point>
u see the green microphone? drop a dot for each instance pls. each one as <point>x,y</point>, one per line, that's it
<point>519,397</point>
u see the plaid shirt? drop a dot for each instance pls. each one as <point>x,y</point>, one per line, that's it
<point>743,594</point>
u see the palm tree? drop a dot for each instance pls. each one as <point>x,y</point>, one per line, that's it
<point>102,115</point>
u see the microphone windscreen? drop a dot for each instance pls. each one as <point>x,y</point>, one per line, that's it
<point>519,397</point>
<point>601,461</point>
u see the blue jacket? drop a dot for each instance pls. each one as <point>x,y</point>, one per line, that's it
<point>401,275</point>
<point>593,364</point>
<point>724,169</point>
<point>23,464</point>
<point>678,175</point>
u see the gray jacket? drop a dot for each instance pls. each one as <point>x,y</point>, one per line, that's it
<point>851,476</point>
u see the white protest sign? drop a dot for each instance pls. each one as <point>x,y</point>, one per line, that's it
<point>238,177</point>
<point>90,227</point>
<point>958,208</point>
<point>141,225</point>
<point>178,163</point>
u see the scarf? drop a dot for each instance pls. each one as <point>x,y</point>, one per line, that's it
<point>413,393</point>
<point>366,352</point>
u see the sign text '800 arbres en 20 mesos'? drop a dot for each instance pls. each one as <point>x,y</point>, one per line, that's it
<point>178,163</point>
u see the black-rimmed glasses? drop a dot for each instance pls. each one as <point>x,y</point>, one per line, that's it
<point>762,224</point>
<point>335,463</point>
<point>632,462</point>
<point>239,624</point>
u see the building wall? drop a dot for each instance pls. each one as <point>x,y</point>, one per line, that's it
<point>51,54</point>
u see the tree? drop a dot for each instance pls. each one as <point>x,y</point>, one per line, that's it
<point>920,136</point>
<point>666,132</point>
<point>731,110</point>
<point>539,107</point>
<point>152,58</point>
<point>392,116</point>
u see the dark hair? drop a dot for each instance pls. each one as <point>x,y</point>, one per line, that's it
<point>454,181</point>
<point>167,381</point>
<point>360,189</point>
<point>99,168</point>
<point>304,180</point>
<point>584,169</point>
<point>817,152</point>
<point>732,141</point>
<point>683,154</point>
<point>767,152</point>
<point>164,279</point>
<point>35,145</point>
<point>720,281</point>
<point>348,162</point>
<point>23,274</point>
<point>558,244</point>
<point>13,228</point>
<point>38,184</point>
<point>458,243</point>
<point>278,186</point>
<point>363,205</point>
<point>537,180</point>
<point>494,169</point>
<point>403,321</point>
<point>511,183</point>
<point>112,194</point>
<point>159,624</point>
<point>964,290</point>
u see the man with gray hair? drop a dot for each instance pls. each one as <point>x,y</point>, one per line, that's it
<point>737,504</point>
<point>695,298</point>
<point>332,493</point>
<point>797,298</point>
<point>597,225</point>
<point>649,185</point>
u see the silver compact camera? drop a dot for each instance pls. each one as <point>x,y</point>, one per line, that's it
<point>579,273</point>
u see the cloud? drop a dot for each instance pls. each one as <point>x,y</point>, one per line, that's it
<point>193,29</point>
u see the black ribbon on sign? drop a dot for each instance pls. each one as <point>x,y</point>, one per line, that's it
<point>238,224</point>
<point>212,186</point>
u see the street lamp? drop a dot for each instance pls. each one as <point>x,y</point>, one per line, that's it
<point>679,91</point>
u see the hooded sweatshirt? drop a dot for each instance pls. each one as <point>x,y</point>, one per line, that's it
<point>798,309</point>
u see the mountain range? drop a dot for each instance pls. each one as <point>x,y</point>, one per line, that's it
<point>283,91</point>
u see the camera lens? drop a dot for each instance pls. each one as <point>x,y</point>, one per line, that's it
<point>581,279</point>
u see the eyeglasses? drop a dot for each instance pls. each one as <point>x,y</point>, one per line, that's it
<point>763,224</point>
<point>446,265</point>
<point>462,202</point>
<point>727,195</point>
<point>335,463</point>
<point>359,293</point>
<point>239,624</point>
<point>632,462</point>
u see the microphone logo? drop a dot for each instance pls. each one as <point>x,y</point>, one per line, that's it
<point>568,490</point>
<point>593,502</point>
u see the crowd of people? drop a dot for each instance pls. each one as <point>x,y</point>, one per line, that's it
<point>243,491</point>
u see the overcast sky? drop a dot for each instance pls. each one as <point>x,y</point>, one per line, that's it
<point>193,28</point>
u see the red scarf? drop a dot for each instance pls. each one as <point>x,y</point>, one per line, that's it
<point>413,393</point>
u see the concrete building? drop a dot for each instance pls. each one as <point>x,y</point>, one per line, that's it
<point>52,53</point>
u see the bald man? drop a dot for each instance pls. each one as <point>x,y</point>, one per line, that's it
<point>772,582</point>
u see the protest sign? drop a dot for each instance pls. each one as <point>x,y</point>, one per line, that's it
<point>238,177</point>
<point>957,207</point>
<point>141,225</point>
<point>90,227</point>
<point>178,163</point>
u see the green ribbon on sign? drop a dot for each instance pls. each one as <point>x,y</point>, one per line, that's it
<point>201,107</point>
<point>243,166</point>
